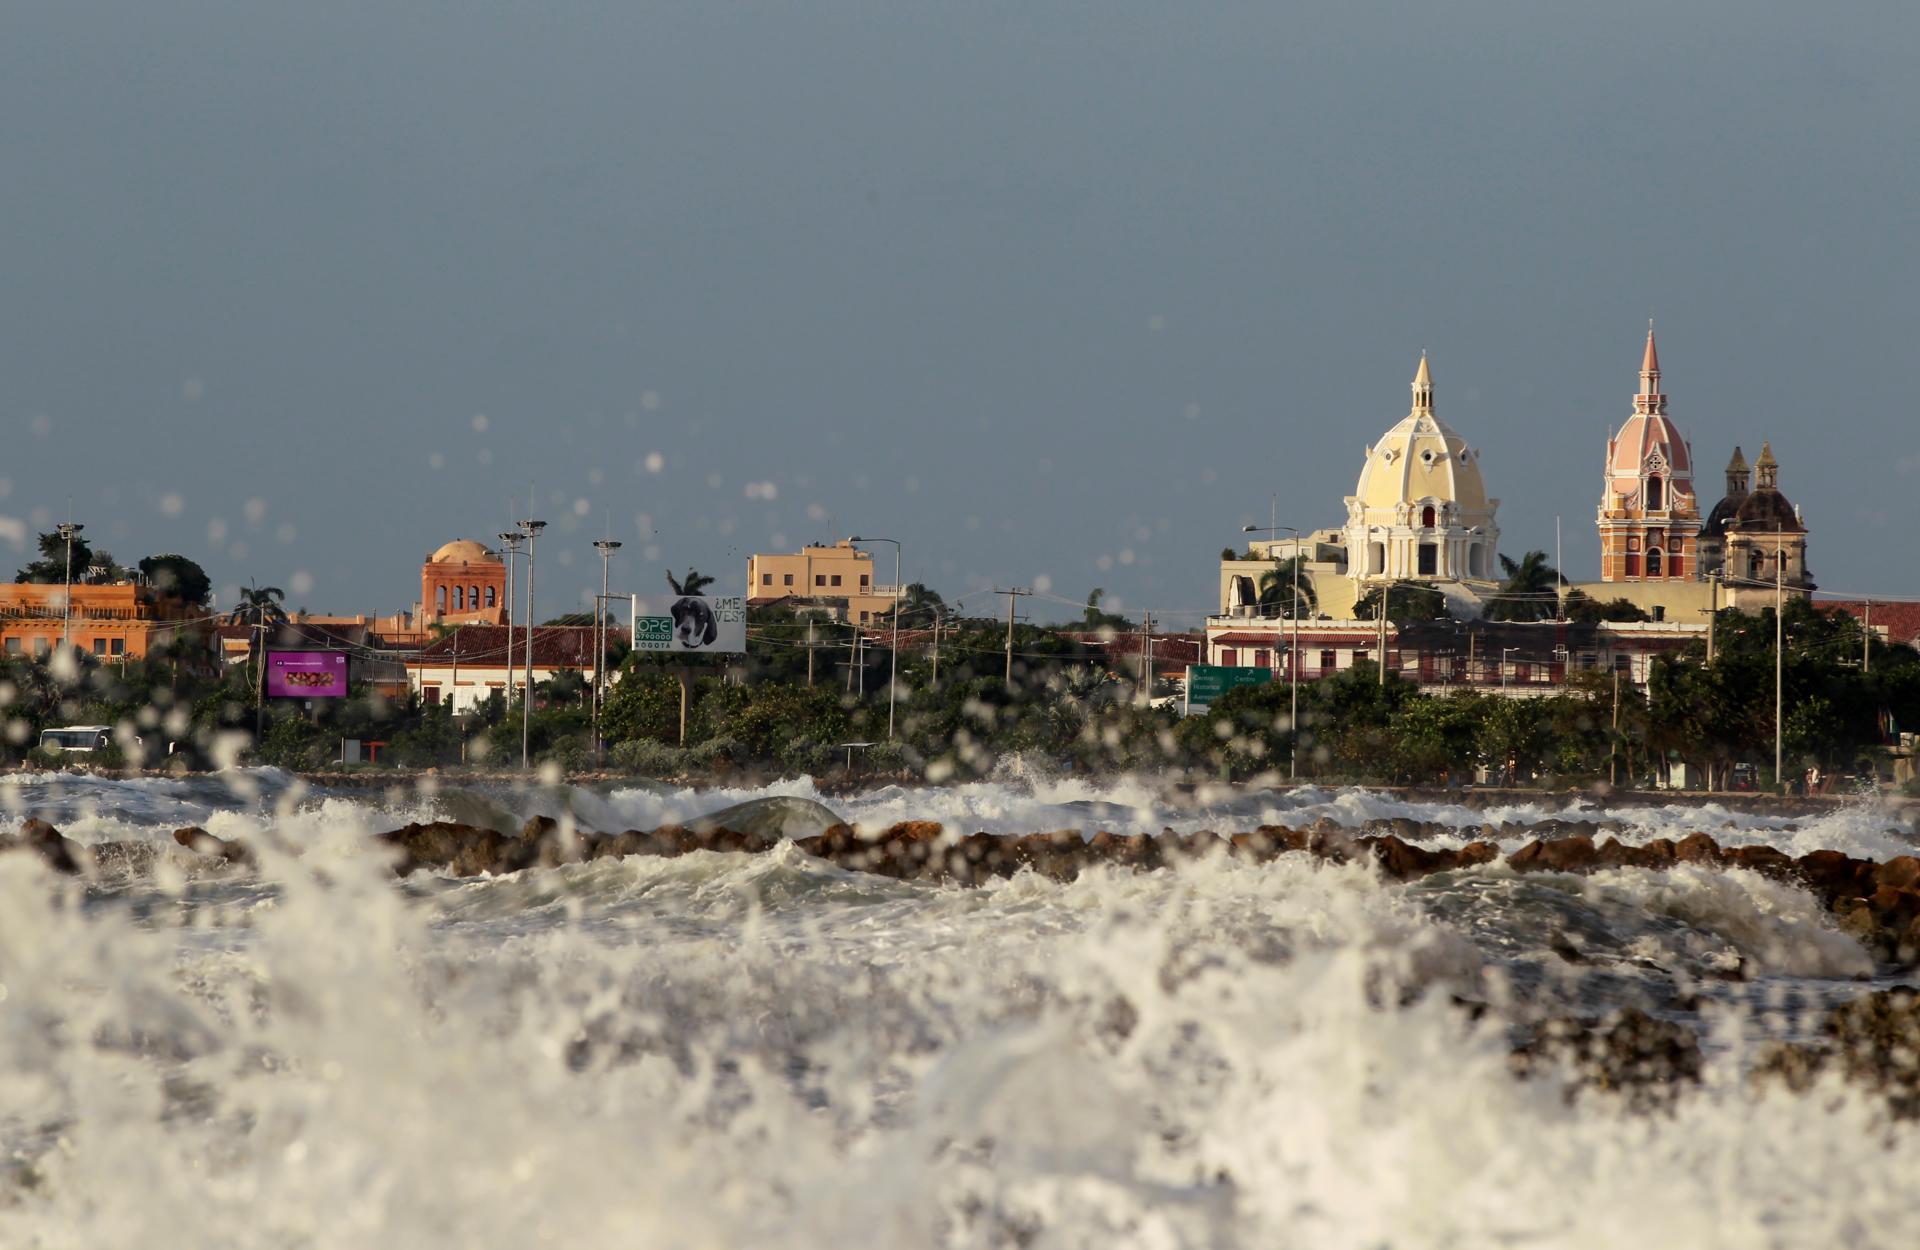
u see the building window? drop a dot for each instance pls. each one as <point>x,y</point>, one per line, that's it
<point>1653,562</point>
<point>863,581</point>
<point>1659,612</point>
<point>1523,672</point>
<point>1656,495</point>
<point>473,598</point>
<point>99,646</point>
<point>42,647</point>
<point>787,579</point>
<point>1376,559</point>
<point>117,646</point>
<point>1633,564</point>
<point>1429,559</point>
<point>1261,659</point>
<point>1426,517</point>
<point>431,694</point>
<point>13,646</point>
<point>492,598</point>
<point>865,617</point>
<point>1328,661</point>
<point>459,599</point>
<point>819,579</point>
<point>440,599</point>
<point>1229,658</point>
<point>836,579</point>
<point>766,579</point>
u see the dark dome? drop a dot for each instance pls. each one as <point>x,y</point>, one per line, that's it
<point>1722,516</point>
<point>1765,509</point>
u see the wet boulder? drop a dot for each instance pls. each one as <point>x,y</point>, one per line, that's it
<point>1639,1057</point>
<point>39,838</point>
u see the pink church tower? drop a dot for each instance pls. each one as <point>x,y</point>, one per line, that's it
<point>1649,518</point>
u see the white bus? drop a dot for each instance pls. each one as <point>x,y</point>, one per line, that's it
<point>76,738</point>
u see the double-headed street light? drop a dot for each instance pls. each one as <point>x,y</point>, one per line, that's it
<point>1293,646</point>
<point>893,665</point>
<point>67,530</point>
<point>510,541</point>
<point>606,547</point>
<point>532,530</point>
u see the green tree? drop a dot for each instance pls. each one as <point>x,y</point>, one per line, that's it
<point>177,577</point>
<point>1406,602</point>
<point>1094,617</point>
<point>1277,590</point>
<point>51,568</point>
<point>258,605</point>
<point>1582,607</point>
<point>1529,593</point>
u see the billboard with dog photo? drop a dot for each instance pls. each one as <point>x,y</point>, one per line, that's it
<point>695,623</point>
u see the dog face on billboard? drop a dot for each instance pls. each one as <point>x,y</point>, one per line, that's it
<point>693,623</point>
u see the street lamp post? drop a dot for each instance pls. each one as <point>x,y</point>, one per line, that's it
<point>67,530</point>
<point>532,530</point>
<point>1293,650</point>
<point>606,547</point>
<point>893,665</point>
<point>510,541</point>
<point>1504,653</point>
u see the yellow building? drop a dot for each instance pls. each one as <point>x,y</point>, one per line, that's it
<point>839,578</point>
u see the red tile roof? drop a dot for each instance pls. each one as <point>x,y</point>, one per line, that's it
<point>1901,621</point>
<point>554,646</point>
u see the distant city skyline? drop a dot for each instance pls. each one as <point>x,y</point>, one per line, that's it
<point>1059,296</point>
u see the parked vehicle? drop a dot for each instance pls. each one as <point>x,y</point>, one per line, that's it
<point>77,738</point>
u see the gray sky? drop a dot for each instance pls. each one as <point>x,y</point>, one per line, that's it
<point>1058,291</point>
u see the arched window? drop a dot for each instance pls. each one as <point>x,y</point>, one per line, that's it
<point>459,598</point>
<point>1653,562</point>
<point>490,597</point>
<point>1426,517</point>
<point>440,599</point>
<point>473,598</point>
<point>1656,495</point>
<point>1755,562</point>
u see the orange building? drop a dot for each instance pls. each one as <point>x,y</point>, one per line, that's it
<point>1649,517</point>
<point>463,583</point>
<point>118,621</point>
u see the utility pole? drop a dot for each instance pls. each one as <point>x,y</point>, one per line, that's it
<point>936,649</point>
<point>809,651</point>
<point>1779,656</point>
<point>1713,610</point>
<point>606,547</point>
<point>453,687</point>
<point>1013,594</point>
<point>1866,640</point>
<point>1386,589</point>
<point>1613,753</point>
<point>1559,582</point>
<point>532,530</point>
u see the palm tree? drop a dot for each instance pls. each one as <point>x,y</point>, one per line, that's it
<point>692,584</point>
<point>1531,590</point>
<point>1276,589</point>
<point>259,605</point>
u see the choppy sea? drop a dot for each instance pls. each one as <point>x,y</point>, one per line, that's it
<point>732,1051</point>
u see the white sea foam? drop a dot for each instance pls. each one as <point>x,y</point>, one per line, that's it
<point>732,1050</point>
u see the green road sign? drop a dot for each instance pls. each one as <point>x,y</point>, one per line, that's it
<point>1207,682</point>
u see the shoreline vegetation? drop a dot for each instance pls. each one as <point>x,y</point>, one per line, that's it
<point>1068,707</point>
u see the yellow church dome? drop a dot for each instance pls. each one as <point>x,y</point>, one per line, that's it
<point>463,551</point>
<point>1421,460</point>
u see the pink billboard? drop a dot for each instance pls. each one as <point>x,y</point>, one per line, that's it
<point>306,675</point>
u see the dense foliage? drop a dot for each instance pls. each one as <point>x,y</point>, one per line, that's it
<point>1068,707</point>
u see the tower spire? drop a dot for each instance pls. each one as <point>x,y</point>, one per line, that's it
<point>1650,401</point>
<point>1423,389</point>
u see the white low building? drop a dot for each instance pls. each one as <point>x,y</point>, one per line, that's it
<point>467,665</point>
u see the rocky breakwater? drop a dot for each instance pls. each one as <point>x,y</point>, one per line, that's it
<point>1878,903</point>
